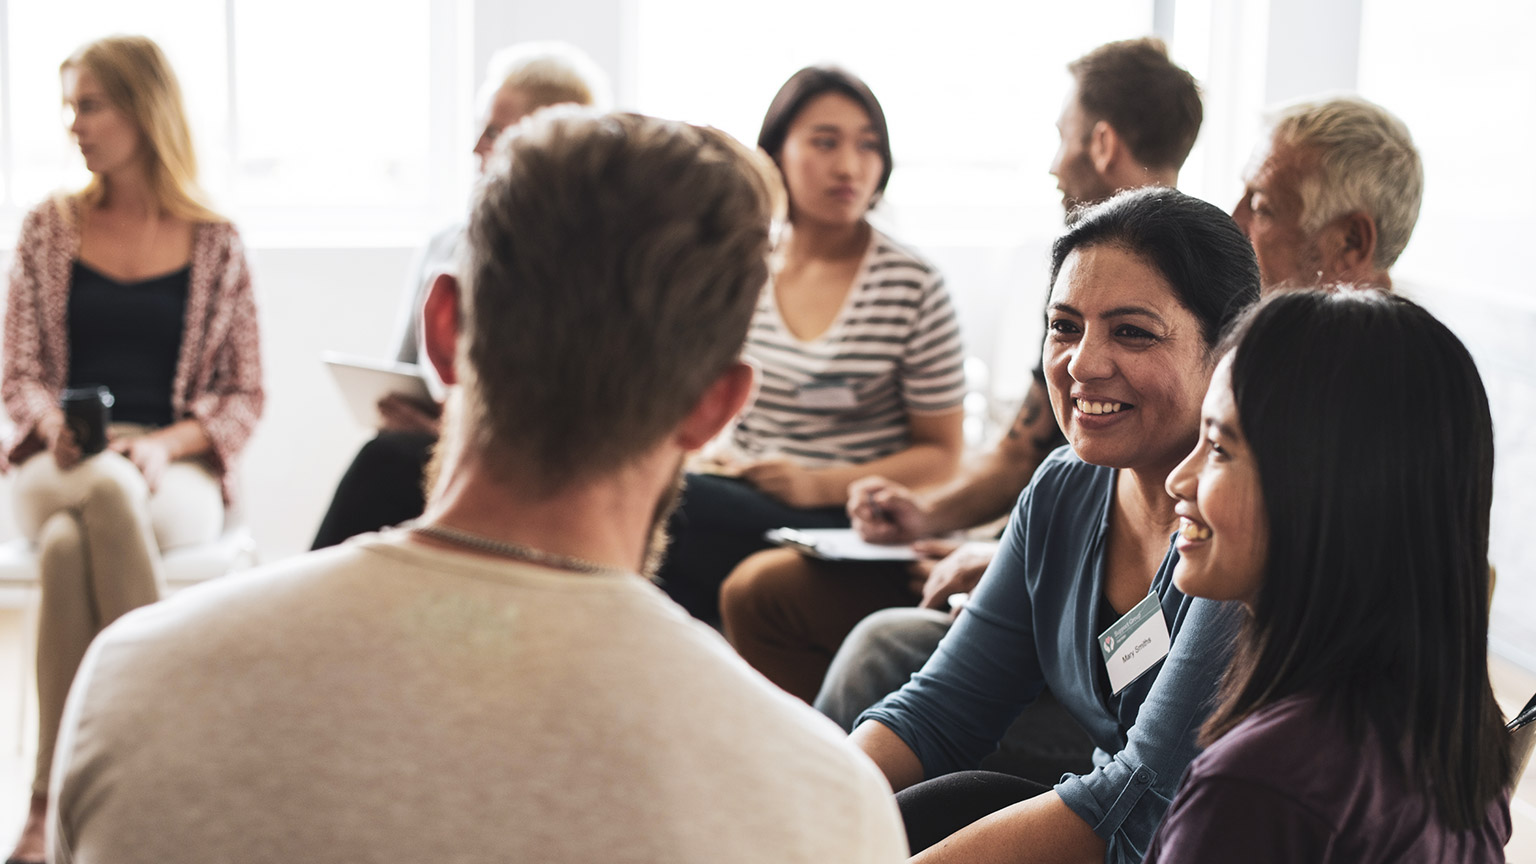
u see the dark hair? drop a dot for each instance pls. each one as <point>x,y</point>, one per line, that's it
<point>611,268</point>
<point>1151,103</point>
<point>807,84</point>
<point>1194,245</point>
<point>1374,445</point>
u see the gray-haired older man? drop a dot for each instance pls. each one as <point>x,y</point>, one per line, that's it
<point>497,682</point>
<point>1332,194</point>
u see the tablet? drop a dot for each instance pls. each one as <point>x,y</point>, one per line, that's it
<point>364,381</point>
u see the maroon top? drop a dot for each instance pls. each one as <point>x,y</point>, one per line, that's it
<point>1288,784</point>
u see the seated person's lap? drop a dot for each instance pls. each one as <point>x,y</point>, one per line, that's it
<point>186,508</point>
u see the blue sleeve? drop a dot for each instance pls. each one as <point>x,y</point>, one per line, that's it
<point>986,670</point>
<point>1125,799</point>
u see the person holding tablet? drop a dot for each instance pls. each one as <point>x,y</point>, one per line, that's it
<point>384,484</point>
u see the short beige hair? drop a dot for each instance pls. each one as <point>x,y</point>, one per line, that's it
<point>1365,161</point>
<point>546,73</point>
<point>612,266</point>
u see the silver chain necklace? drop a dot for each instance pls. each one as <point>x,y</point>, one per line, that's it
<point>515,551</point>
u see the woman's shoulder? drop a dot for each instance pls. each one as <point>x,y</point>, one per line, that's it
<point>1064,470</point>
<point>887,253</point>
<point>217,237</point>
<point>1280,745</point>
<point>54,214</point>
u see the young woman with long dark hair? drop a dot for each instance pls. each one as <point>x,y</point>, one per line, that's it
<point>1341,491</point>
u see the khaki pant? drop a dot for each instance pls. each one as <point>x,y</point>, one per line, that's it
<point>98,533</point>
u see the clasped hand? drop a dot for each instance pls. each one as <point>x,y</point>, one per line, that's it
<point>948,567</point>
<point>146,452</point>
<point>785,481</point>
<point>884,511</point>
<point>149,454</point>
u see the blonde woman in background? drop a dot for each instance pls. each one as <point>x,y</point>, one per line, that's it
<point>134,283</point>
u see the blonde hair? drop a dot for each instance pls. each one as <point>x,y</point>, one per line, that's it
<point>547,73</point>
<point>138,81</point>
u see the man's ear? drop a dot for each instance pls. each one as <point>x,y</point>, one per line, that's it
<point>723,399</point>
<point>1349,248</point>
<point>1104,146</point>
<point>440,326</point>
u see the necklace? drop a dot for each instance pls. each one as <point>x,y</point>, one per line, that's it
<point>515,551</point>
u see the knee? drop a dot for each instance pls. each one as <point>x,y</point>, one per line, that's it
<point>881,630</point>
<point>114,483</point>
<point>390,449</point>
<point>762,580</point>
<point>60,544</point>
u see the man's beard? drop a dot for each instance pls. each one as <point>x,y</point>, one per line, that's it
<point>447,438</point>
<point>661,517</point>
<point>656,543</point>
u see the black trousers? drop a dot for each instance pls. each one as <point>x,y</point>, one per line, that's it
<point>937,808</point>
<point>722,521</point>
<point>382,487</point>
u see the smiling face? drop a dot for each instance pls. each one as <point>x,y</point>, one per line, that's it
<point>1125,362</point>
<point>108,139</point>
<point>1270,213</point>
<point>831,161</point>
<point>1223,529</point>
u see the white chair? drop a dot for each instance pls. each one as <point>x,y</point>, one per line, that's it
<point>20,588</point>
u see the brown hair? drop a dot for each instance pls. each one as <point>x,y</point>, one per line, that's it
<point>1153,104</point>
<point>612,266</point>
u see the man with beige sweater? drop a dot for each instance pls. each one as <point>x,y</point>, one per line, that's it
<point>496,682</point>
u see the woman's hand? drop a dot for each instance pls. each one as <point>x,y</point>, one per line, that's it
<point>957,570</point>
<point>786,482</point>
<point>884,511</point>
<point>147,453</point>
<point>409,415</point>
<point>59,440</point>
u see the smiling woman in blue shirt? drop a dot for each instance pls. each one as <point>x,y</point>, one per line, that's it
<point>1142,286</point>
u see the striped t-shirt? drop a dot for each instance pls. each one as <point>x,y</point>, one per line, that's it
<point>844,397</point>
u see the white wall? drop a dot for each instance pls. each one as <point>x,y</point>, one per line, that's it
<point>312,300</point>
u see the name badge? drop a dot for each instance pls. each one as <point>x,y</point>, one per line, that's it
<point>831,394</point>
<point>1134,643</point>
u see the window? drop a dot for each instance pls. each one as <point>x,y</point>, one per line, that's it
<point>971,95</point>
<point>306,113</point>
<point>1472,113</point>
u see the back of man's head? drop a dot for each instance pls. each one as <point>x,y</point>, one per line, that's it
<point>1153,104</point>
<point>611,268</point>
<point>1364,161</point>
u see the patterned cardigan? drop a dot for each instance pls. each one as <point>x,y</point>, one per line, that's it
<point>218,373</point>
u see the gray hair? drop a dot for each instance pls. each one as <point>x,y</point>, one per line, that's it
<point>549,73</point>
<point>1365,161</point>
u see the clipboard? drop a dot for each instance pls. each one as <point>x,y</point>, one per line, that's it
<point>837,544</point>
